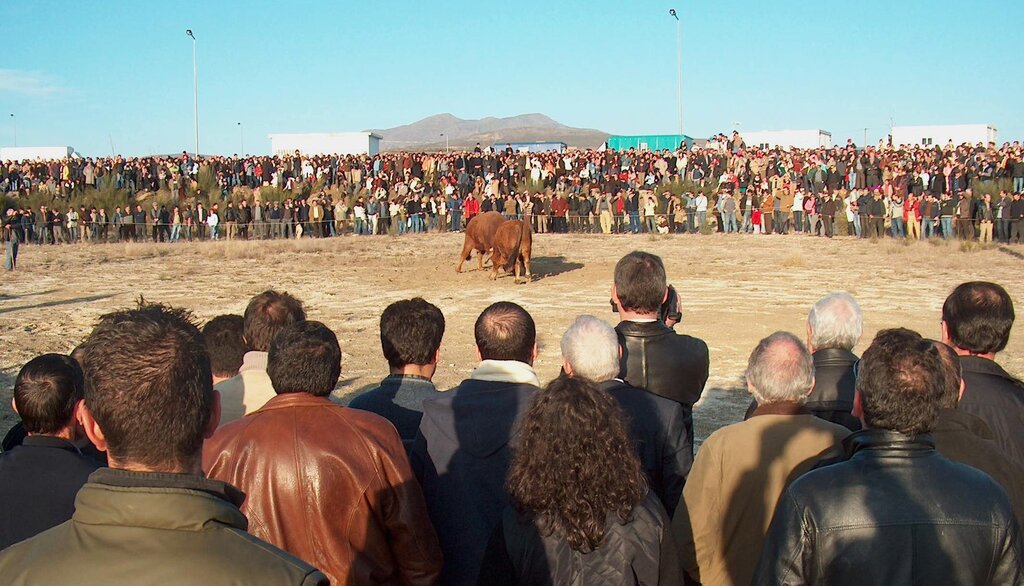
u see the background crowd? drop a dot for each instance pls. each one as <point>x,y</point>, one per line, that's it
<point>965,191</point>
<point>161,453</point>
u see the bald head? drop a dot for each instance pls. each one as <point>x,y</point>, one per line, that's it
<point>590,349</point>
<point>505,331</point>
<point>780,369</point>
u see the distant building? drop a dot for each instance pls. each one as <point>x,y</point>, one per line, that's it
<point>531,147</point>
<point>36,153</point>
<point>942,134</point>
<point>649,142</point>
<point>800,139</point>
<point>326,143</point>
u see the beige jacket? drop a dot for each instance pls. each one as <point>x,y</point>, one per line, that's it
<point>248,390</point>
<point>735,483</point>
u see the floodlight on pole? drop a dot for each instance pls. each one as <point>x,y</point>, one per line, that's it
<point>445,135</point>
<point>679,65</point>
<point>195,87</point>
<point>241,138</point>
<point>14,120</point>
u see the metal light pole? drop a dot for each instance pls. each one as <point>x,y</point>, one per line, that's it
<point>195,87</point>
<point>14,120</point>
<point>679,65</point>
<point>241,137</point>
<point>445,135</point>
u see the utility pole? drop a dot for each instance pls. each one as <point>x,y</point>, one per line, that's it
<point>14,120</point>
<point>241,138</point>
<point>195,87</point>
<point>679,66</point>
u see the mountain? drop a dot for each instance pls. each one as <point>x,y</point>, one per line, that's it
<point>427,134</point>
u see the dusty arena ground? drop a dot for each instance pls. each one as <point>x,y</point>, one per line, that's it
<point>736,290</point>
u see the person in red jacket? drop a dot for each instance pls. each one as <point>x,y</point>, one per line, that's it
<point>471,207</point>
<point>912,216</point>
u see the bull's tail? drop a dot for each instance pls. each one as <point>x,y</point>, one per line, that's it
<point>513,257</point>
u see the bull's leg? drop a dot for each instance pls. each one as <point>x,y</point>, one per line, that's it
<point>526,265</point>
<point>467,251</point>
<point>480,259</point>
<point>518,270</point>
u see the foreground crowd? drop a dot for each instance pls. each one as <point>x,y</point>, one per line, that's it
<point>159,453</point>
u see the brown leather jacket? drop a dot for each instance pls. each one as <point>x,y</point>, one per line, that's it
<point>332,486</point>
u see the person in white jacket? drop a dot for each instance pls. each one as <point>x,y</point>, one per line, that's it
<point>212,221</point>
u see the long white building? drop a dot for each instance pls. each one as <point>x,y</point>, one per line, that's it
<point>325,143</point>
<point>801,139</point>
<point>943,134</point>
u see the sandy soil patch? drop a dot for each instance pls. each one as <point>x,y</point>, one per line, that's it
<point>736,290</point>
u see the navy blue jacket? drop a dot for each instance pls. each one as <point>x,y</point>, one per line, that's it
<point>399,399</point>
<point>38,483</point>
<point>461,457</point>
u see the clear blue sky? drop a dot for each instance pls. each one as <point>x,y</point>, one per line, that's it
<point>87,74</point>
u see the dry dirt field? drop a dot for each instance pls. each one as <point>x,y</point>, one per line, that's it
<point>736,290</point>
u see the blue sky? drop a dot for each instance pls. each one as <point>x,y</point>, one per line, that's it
<point>92,74</point>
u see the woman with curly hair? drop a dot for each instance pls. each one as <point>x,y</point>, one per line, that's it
<point>581,511</point>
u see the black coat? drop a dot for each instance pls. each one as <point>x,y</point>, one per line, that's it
<point>657,359</point>
<point>964,438</point>
<point>834,386</point>
<point>895,512</point>
<point>461,457</point>
<point>658,426</point>
<point>638,551</point>
<point>38,483</point>
<point>998,399</point>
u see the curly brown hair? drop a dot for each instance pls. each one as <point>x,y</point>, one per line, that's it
<point>575,463</point>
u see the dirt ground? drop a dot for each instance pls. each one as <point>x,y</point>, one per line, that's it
<point>736,290</point>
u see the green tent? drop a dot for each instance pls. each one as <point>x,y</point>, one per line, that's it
<point>649,142</point>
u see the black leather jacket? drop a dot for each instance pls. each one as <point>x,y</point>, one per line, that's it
<point>657,359</point>
<point>834,385</point>
<point>895,512</point>
<point>991,394</point>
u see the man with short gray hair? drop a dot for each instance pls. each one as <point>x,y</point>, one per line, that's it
<point>742,469</point>
<point>590,350</point>
<point>834,327</point>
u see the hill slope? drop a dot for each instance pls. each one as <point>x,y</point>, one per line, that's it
<point>427,134</point>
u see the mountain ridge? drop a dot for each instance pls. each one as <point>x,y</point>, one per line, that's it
<point>430,133</point>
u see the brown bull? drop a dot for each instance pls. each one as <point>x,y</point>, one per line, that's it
<point>479,237</point>
<point>513,244</point>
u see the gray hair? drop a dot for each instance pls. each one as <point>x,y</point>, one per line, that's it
<point>591,348</point>
<point>836,322</point>
<point>780,369</point>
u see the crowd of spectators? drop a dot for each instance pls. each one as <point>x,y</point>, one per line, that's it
<point>159,453</point>
<point>966,191</point>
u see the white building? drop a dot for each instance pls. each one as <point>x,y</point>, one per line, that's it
<point>801,139</point>
<point>326,143</point>
<point>943,134</point>
<point>36,153</point>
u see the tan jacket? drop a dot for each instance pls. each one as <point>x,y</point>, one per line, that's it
<point>332,486</point>
<point>248,390</point>
<point>735,484</point>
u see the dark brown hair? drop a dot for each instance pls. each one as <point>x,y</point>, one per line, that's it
<point>575,464</point>
<point>305,358</point>
<point>640,282</point>
<point>505,331</point>
<point>46,391</point>
<point>978,317</point>
<point>225,343</point>
<point>148,384</point>
<point>267,314</point>
<point>411,332</point>
<point>902,381</point>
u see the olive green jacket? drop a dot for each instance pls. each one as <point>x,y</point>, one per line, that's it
<point>150,528</point>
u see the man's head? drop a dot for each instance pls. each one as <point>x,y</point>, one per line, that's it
<point>900,383</point>
<point>835,321</point>
<point>590,350</point>
<point>148,391</point>
<point>410,333</point>
<point>267,314</point>
<point>225,342</point>
<point>780,369</point>
<point>505,331</point>
<point>305,358</point>
<point>640,283</point>
<point>47,393</point>
<point>977,318</point>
